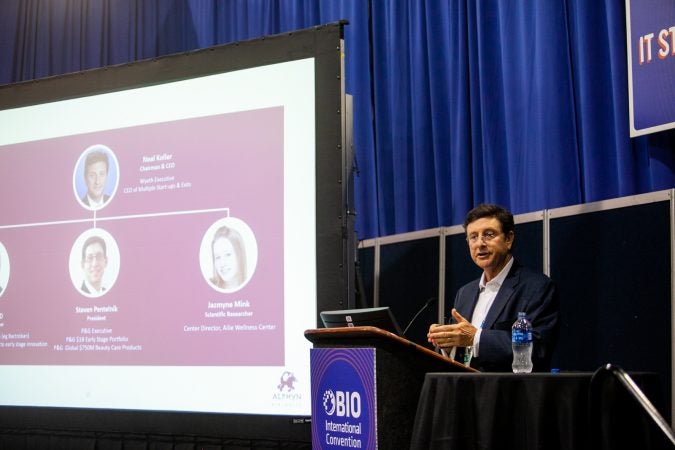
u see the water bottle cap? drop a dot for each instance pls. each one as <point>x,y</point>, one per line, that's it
<point>521,314</point>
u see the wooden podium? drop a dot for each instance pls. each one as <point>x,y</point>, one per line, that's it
<point>399,369</point>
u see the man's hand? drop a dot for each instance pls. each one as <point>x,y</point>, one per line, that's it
<point>459,334</point>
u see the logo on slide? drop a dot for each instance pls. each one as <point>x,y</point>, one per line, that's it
<point>285,390</point>
<point>287,382</point>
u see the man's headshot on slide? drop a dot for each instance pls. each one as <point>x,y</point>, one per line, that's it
<point>4,269</point>
<point>96,177</point>
<point>94,263</point>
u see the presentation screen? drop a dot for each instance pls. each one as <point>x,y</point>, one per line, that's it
<point>158,239</point>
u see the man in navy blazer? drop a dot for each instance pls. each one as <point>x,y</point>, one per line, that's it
<point>485,309</point>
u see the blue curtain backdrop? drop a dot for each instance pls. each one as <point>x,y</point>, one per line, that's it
<point>522,103</point>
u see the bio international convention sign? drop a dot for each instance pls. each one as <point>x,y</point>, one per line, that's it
<point>650,28</point>
<point>344,409</point>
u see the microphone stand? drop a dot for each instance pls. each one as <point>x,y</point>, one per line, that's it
<point>426,305</point>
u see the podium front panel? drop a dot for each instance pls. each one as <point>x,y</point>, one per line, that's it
<point>344,408</point>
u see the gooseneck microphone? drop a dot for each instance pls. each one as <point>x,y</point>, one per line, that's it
<point>425,306</point>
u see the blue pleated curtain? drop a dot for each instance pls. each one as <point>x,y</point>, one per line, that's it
<point>456,102</point>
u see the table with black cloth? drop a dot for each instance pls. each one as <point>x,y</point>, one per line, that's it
<point>504,411</point>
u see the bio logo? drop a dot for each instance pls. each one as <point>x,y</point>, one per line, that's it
<point>342,403</point>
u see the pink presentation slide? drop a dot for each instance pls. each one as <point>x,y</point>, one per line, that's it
<point>157,244</point>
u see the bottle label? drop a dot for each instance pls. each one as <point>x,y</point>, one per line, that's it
<point>521,337</point>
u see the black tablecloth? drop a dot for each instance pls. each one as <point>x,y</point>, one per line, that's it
<point>505,411</point>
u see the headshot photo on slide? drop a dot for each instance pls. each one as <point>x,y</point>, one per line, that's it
<point>94,263</point>
<point>228,254</point>
<point>4,269</point>
<point>96,177</point>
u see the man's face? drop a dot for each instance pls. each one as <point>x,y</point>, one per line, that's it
<point>488,245</point>
<point>94,263</point>
<point>95,177</point>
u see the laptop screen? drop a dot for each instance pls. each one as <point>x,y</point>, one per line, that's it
<point>380,317</point>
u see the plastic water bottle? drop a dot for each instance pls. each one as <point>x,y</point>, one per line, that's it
<point>521,342</point>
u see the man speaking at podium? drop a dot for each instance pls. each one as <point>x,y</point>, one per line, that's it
<point>479,332</point>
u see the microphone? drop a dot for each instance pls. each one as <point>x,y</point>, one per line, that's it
<point>426,305</point>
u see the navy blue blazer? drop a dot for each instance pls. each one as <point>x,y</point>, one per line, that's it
<point>523,290</point>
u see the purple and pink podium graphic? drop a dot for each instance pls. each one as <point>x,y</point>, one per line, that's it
<point>344,408</point>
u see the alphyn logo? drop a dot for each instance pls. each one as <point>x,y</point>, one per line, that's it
<point>287,382</point>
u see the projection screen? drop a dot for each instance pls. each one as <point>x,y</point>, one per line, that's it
<point>171,227</point>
